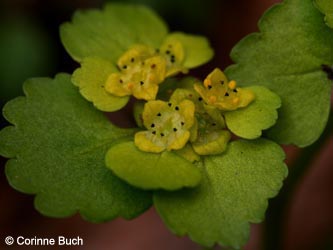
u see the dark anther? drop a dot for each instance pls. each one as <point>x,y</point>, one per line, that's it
<point>172,60</point>
<point>182,123</point>
<point>209,86</point>
<point>159,114</point>
<point>214,124</point>
<point>226,94</point>
<point>121,81</point>
<point>132,59</point>
<point>167,52</point>
<point>235,90</point>
<point>153,66</point>
<point>169,104</point>
<point>152,125</point>
<point>174,129</point>
<point>141,82</point>
<point>154,132</point>
<point>162,134</point>
<point>190,95</point>
<point>177,108</point>
<point>200,99</point>
<point>222,82</point>
<point>124,67</point>
<point>328,70</point>
<point>143,63</point>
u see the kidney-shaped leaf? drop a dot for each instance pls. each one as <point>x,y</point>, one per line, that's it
<point>233,192</point>
<point>58,142</point>
<point>287,57</point>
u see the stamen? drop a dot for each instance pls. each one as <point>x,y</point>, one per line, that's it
<point>226,94</point>
<point>130,85</point>
<point>232,84</point>
<point>212,99</point>
<point>124,67</point>
<point>152,125</point>
<point>162,134</point>
<point>132,59</point>
<point>175,129</point>
<point>177,108</point>
<point>159,114</point>
<point>141,83</point>
<point>207,82</point>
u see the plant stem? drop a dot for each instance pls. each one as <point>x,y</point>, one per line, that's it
<point>277,212</point>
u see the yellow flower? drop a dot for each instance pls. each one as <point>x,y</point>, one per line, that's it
<point>208,136</point>
<point>142,68</point>
<point>168,126</point>
<point>217,91</point>
<point>140,73</point>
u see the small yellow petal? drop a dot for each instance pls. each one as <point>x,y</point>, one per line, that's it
<point>115,85</point>
<point>188,153</point>
<point>143,143</point>
<point>180,141</point>
<point>212,143</point>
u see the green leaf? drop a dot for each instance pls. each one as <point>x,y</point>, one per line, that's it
<point>259,115</point>
<point>146,170</point>
<point>197,49</point>
<point>286,56</point>
<point>58,143</point>
<point>90,79</point>
<point>108,33</point>
<point>326,7</point>
<point>233,192</point>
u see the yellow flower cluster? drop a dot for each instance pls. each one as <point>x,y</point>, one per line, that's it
<point>192,118</point>
<point>192,121</point>
<point>142,68</point>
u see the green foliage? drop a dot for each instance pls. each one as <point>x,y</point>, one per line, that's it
<point>286,56</point>
<point>248,122</point>
<point>90,79</point>
<point>109,33</point>
<point>98,39</point>
<point>326,7</point>
<point>73,159</point>
<point>166,170</point>
<point>233,192</point>
<point>58,143</point>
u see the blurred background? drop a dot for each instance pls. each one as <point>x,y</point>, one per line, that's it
<point>301,217</point>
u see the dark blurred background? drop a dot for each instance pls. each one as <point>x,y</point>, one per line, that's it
<point>30,46</point>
